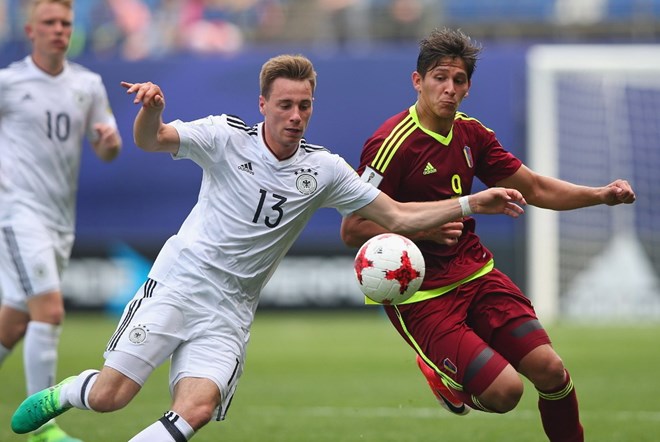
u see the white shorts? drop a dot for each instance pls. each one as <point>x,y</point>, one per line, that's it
<point>32,259</point>
<point>160,323</point>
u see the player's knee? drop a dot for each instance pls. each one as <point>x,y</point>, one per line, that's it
<point>195,409</point>
<point>48,309</point>
<point>54,315</point>
<point>11,335</point>
<point>196,400</point>
<point>504,394</point>
<point>552,376</point>
<point>544,368</point>
<point>199,415</point>
<point>507,398</point>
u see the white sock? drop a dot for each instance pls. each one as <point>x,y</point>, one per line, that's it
<point>40,355</point>
<point>76,393</point>
<point>170,427</point>
<point>4,352</point>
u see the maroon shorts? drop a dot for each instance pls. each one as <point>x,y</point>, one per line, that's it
<point>474,331</point>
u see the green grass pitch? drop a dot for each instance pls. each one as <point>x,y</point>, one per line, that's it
<point>346,376</point>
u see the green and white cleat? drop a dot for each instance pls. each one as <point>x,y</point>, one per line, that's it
<point>51,433</point>
<point>39,408</point>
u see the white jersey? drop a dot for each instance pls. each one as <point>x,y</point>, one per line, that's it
<point>43,120</point>
<point>251,209</point>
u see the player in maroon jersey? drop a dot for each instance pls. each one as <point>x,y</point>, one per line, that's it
<point>471,326</point>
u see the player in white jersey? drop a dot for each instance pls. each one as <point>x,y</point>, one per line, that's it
<point>260,186</point>
<point>47,107</point>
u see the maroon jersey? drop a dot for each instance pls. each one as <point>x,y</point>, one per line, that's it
<point>411,163</point>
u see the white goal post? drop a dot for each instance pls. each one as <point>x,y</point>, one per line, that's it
<point>594,116</point>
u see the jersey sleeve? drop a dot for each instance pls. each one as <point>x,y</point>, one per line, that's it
<point>200,138</point>
<point>497,163</point>
<point>379,167</point>
<point>100,109</point>
<point>348,192</point>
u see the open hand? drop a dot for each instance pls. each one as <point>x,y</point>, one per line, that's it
<point>149,94</point>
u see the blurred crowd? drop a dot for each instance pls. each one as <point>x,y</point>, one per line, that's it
<point>139,29</point>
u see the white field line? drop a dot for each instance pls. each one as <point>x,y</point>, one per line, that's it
<point>436,413</point>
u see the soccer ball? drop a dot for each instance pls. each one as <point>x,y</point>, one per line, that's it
<point>389,268</point>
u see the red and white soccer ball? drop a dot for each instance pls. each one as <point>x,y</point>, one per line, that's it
<point>389,268</point>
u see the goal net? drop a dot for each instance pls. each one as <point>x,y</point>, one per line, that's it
<point>593,117</point>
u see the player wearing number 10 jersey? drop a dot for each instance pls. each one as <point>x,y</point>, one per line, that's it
<point>48,106</point>
<point>44,119</point>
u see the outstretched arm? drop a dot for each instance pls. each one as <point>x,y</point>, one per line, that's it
<point>149,131</point>
<point>552,193</point>
<point>409,218</point>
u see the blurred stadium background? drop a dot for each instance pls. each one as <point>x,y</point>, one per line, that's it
<point>206,54</point>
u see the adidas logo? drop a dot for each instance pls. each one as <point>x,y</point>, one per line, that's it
<point>247,167</point>
<point>429,169</point>
<point>26,97</point>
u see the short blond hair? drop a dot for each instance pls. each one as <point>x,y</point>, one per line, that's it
<point>292,67</point>
<point>32,5</point>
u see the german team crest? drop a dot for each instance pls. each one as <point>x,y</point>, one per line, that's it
<point>138,334</point>
<point>79,96</point>
<point>306,181</point>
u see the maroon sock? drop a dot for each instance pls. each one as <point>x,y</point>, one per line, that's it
<point>559,413</point>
